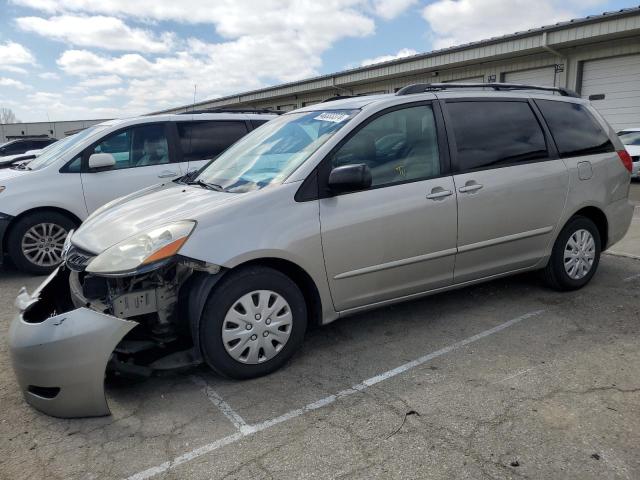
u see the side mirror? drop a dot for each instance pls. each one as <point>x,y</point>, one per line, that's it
<point>101,160</point>
<point>350,178</point>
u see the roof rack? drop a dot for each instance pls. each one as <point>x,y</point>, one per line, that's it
<point>432,87</point>
<point>233,110</point>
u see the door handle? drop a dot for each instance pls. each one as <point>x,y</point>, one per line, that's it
<point>167,174</point>
<point>470,187</point>
<point>439,192</point>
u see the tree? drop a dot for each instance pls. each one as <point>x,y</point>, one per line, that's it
<point>7,116</point>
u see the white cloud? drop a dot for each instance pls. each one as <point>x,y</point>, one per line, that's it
<point>11,83</point>
<point>405,52</point>
<point>101,81</point>
<point>456,22</point>
<point>49,76</point>
<point>389,9</point>
<point>103,32</point>
<point>12,53</point>
<point>96,98</point>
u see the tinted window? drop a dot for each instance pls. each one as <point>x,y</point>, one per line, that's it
<point>489,134</point>
<point>257,123</point>
<point>137,147</point>
<point>574,129</point>
<point>398,146</point>
<point>207,140</point>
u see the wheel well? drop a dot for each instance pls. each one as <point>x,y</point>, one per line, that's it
<point>598,217</point>
<point>302,279</point>
<point>62,211</point>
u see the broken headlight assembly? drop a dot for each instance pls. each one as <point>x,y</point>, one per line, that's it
<point>143,251</point>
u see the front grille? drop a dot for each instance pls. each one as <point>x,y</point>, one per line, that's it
<point>77,259</point>
<point>636,158</point>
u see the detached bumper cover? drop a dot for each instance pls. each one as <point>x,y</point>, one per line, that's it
<point>60,362</point>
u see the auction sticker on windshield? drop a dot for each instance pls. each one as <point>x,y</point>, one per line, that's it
<point>332,117</point>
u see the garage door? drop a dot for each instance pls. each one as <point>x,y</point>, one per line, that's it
<point>618,81</point>
<point>536,76</point>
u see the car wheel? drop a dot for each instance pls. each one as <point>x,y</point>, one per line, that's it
<point>575,255</point>
<point>35,241</point>
<point>252,323</point>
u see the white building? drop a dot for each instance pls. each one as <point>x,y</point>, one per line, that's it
<point>597,56</point>
<point>50,129</point>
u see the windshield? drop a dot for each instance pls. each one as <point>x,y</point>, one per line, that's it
<point>272,152</point>
<point>630,138</point>
<point>50,155</point>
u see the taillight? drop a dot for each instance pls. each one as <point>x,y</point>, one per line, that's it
<point>625,158</point>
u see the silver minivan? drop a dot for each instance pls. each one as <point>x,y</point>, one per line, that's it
<point>323,212</point>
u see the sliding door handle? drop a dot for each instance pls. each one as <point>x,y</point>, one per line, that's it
<point>439,192</point>
<point>470,188</point>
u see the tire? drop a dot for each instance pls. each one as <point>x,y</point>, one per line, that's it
<point>54,223</point>
<point>254,287</point>
<point>555,273</point>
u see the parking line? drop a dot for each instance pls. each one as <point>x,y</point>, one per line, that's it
<point>218,401</point>
<point>248,430</point>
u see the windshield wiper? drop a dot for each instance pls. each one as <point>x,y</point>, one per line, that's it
<point>209,186</point>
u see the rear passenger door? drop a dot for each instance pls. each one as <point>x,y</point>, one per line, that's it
<point>201,141</point>
<point>511,185</point>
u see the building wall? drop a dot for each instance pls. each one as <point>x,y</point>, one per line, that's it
<point>51,129</point>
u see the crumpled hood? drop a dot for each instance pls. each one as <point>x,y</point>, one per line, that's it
<point>145,209</point>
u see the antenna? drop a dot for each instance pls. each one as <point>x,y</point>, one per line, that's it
<point>195,89</point>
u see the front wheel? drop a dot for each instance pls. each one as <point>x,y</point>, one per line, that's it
<point>252,323</point>
<point>35,242</point>
<point>575,255</point>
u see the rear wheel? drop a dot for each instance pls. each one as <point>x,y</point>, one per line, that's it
<point>252,323</point>
<point>35,241</point>
<point>575,255</point>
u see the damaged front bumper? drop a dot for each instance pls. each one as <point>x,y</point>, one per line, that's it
<point>60,359</point>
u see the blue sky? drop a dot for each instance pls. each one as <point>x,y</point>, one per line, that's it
<point>70,59</point>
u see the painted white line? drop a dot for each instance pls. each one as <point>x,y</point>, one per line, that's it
<point>632,277</point>
<point>248,430</point>
<point>219,402</point>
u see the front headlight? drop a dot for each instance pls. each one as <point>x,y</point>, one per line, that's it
<point>142,249</point>
<point>2,187</point>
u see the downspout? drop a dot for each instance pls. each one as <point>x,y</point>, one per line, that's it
<point>561,57</point>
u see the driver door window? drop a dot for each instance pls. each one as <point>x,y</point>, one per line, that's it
<point>398,147</point>
<point>137,147</point>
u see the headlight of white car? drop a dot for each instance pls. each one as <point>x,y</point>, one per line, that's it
<point>133,253</point>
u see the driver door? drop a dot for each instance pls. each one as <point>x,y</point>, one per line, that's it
<point>398,237</point>
<point>144,156</point>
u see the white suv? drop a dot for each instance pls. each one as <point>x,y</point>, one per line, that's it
<point>40,202</point>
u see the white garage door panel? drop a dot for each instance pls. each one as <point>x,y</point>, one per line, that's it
<point>619,80</point>
<point>536,76</point>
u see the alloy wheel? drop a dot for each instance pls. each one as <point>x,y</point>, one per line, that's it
<point>42,244</point>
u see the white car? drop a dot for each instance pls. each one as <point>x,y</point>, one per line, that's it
<point>52,194</point>
<point>630,137</point>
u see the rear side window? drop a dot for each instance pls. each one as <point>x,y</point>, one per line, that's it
<point>257,123</point>
<point>207,140</point>
<point>574,129</point>
<point>493,134</point>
